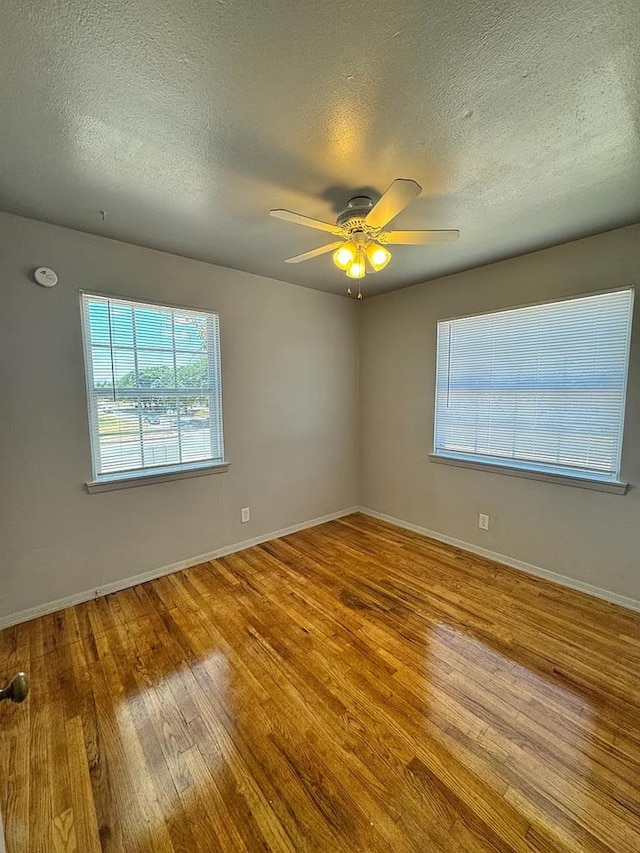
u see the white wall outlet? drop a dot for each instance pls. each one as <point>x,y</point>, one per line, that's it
<point>245,514</point>
<point>483,521</point>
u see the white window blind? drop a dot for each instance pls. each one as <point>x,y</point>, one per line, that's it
<point>541,388</point>
<point>154,386</point>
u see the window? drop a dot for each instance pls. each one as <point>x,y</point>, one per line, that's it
<point>154,388</point>
<point>540,388</point>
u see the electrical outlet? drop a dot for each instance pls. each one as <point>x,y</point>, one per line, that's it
<point>245,514</point>
<point>483,521</point>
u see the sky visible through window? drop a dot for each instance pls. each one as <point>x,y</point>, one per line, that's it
<point>153,330</point>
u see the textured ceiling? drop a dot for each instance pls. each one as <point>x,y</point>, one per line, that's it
<point>187,120</point>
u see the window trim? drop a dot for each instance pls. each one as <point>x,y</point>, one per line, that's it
<point>147,477</point>
<point>492,465</point>
<point>615,487</point>
<point>142,476</point>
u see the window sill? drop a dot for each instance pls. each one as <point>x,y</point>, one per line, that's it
<point>611,486</point>
<point>147,478</point>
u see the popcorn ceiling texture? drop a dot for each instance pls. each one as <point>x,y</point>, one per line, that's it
<point>186,120</point>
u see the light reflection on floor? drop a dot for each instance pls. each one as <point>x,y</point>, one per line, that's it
<point>551,731</point>
<point>191,749</point>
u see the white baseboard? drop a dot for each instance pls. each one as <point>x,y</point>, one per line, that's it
<point>134,580</point>
<point>529,568</point>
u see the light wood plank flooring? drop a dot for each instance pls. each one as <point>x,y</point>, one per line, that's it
<point>353,687</point>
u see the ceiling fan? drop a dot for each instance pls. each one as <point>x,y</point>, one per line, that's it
<point>359,229</point>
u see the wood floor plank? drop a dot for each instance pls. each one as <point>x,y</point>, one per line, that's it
<point>351,687</point>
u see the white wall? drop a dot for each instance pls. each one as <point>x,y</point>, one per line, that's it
<point>290,374</point>
<point>589,536</point>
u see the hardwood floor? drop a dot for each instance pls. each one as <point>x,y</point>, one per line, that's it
<point>353,687</point>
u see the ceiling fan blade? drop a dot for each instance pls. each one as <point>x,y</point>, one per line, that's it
<point>330,247</point>
<point>299,219</point>
<point>418,238</point>
<point>401,193</point>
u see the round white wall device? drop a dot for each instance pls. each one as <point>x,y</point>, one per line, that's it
<point>45,277</point>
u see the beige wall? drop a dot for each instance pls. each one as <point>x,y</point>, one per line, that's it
<point>291,397</point>
<point>590,536</point>
<point>290,373</point>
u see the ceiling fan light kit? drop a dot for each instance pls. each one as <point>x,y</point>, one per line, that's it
<point>359,228</point>
<point>345,255</point>
<point>358,267</point>
<point>378,256</point>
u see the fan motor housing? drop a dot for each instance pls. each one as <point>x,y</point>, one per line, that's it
<point>354,215</point>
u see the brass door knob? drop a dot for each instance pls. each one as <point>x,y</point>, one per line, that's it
<point>17,689</point>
